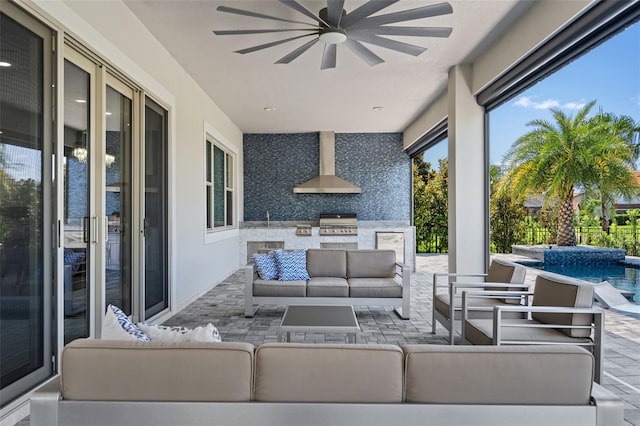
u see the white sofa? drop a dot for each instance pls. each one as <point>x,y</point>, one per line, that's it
<point>115,383</point>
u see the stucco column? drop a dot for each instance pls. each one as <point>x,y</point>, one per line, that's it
<point>468,218</point>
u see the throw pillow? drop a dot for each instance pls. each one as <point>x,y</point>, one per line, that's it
<point>292,265</point>
<point>159,333</point>
<point>117,326</point>
<point>266,265</point>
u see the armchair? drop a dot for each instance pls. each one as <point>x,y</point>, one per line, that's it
<point>562,313</point>
<point>447,305</point>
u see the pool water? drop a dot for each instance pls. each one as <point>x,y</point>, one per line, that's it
<point>621,276</point>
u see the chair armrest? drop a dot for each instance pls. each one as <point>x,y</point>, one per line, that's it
<point>489,294</point>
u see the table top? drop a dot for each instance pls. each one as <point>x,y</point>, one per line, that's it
<point>321,316</point>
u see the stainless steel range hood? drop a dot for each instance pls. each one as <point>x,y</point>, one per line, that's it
<point>327,182</point>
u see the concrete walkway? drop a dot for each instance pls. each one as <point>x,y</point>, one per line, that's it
<point>223,306</point>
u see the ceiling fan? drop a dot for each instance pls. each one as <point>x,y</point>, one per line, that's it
<point>333,26</point>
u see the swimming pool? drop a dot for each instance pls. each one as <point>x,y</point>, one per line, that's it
<point>621,276</point>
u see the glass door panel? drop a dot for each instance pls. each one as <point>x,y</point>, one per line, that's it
<point>156,288</point>
<point>25,203</point>
<point>77,154</point>
<point>118,198</point>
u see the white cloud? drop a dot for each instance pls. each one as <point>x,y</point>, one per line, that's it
<point>574,105</point>
<point>549,103</point>
<point>636,99</point>
<point>527,102</point>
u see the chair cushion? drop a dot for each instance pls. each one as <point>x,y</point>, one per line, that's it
<point>327,287</point>
<point>503,271</point>
<point>531,375</point>
<point>273,288</point>
<point>557,290</point>
<point>480,332</point>
<point>328,373</point>
<point>107,370</point>
<point>371,263</point>
<point>374,287</point>
<point>327,263</point>
<point>442,306</point>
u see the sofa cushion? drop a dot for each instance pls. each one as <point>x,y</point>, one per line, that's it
<point>266,265</point>
<point>557,290</point>
<point>292,265</point>
<point>371,263</point>
<point>327,287</point>
<point>374,287</point>
<point>327,263</point>
<point>480,332</point>
<point>107,370</point>
<point>553,375</point>
<point>328,373</point>
<point>274,288</point>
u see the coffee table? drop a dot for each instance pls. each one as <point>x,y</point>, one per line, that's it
<point>320,319</point>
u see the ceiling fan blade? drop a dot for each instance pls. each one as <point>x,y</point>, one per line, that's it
<point>409,15</point>
<point>334,11</point>
<point>409,49</point>
<point>329,57</point>
<point>299,51</point>
<point>404,31</point>
<point>363,52</point>
<point>256,15</point>
<point>293,4</point>
<point>242,32</point>
<point>367,9</point>
<point>271,44</point>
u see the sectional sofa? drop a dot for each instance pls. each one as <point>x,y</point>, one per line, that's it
<point>278,384</point>
<point>340,277</point>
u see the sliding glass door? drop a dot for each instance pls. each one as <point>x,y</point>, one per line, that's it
<point>26,206</point>
<point>118,194</point>
<point>155,228</point>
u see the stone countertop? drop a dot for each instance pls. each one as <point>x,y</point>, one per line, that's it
<point>315,223</point>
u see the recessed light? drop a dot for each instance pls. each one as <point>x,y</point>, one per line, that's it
<point>81,101</point>
<point>269,109</point>
<point>377,108</point>
<point>4,64</point>
<point>107,113</point>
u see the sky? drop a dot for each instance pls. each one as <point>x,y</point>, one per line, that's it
<point>608,74</point>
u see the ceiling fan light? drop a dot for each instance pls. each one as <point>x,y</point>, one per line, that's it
<point>333,36</point>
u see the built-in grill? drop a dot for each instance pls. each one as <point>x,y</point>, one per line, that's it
<point>338,224</point>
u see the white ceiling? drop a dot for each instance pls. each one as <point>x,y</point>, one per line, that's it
<point>306,98</point>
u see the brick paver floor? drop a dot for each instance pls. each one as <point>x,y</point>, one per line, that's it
<point>223,306</point>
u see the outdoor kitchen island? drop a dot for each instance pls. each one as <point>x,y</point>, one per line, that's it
<point>260,235</point>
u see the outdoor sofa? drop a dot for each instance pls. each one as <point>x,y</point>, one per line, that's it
<point>337,277</point>
<point>278,384</point>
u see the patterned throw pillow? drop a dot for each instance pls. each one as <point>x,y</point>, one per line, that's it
<point>117,326</point>
<point>160,333</point>
<point>266,265</point>
<point>292,265</point>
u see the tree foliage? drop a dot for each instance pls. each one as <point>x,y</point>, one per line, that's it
<point>555,158</point>
<point>430,191</point>
<point>507,214</point>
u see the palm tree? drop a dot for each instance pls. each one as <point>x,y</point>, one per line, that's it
<point>615,171</point>
<point>556,157</point>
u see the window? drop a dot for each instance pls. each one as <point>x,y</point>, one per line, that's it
<point>219,186</point>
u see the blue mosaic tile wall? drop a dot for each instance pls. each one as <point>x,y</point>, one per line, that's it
<point>275,163</point>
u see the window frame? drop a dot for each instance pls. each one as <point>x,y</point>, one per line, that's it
<point>212,140</point>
